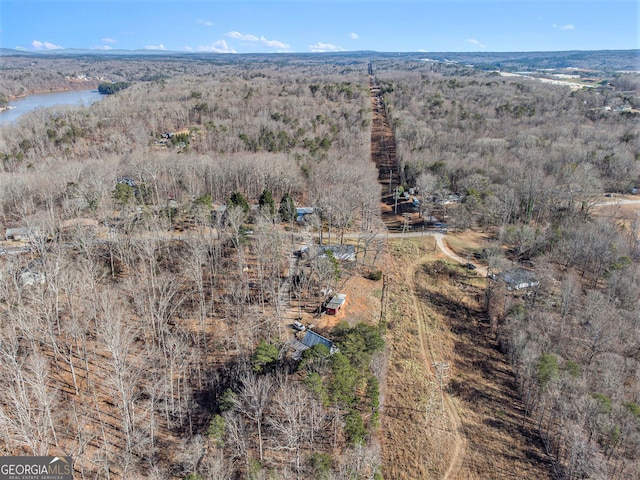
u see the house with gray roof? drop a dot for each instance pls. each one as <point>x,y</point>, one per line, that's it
<point>520,278</point>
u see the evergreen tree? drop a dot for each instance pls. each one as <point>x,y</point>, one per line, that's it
<point>238,200</point>
<point>287,208</point>
<point>267,203</point>
<point>108,88</point>
<point>354,427</point>
<point>265,357</point>
<point>123,193</point>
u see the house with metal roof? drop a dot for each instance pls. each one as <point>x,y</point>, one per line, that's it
<point>302,212</point>
<point>311,339</point>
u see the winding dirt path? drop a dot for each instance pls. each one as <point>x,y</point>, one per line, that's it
<point>429,357</point>
<point>444,248</point>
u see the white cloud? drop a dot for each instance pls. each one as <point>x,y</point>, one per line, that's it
<point>274,44</point>
<point>20,48</point>
<point>219,46</point>
<point>325,47</point>
<point>102,47</point>
<point>475,42</point>
<point>38,45</point>
<point>109,40</point>
<point>155,47</point>
<point>354,36</point>
<point>253,38</point>
<point>239,36</point>
<point>206,23</point>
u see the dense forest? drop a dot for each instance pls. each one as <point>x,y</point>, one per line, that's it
<point>142,326</point>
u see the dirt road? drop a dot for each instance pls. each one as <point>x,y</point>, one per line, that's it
<point>454,424</point>
<point>444,248</point>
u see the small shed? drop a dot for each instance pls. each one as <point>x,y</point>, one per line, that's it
<point>520,278</point>
<point>336,303</point>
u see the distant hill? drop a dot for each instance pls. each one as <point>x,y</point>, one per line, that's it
<point>597,60</point>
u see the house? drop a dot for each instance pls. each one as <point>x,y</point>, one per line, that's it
<point>126,181</point>
<point>301,212</point>
<point>340,252</point>
<point>167,135</point>
<point>22,234</point>
<point>336,303</point>
<point>311,339</point>
<point>520,278</point>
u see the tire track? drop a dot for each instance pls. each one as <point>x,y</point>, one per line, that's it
<point>429,357</point>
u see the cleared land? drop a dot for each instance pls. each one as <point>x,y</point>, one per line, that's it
<point>475,429</point>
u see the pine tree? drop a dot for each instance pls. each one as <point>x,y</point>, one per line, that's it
<point>267,203</point>
<point>287,208</point>
<point>238,200</point>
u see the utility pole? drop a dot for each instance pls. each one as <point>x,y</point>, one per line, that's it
<point>383,299</point>
<point>395,207</point>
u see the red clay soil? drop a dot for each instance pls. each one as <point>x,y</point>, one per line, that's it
<point>383,154</point>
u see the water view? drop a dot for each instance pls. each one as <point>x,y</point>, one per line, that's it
<point>19,107</point>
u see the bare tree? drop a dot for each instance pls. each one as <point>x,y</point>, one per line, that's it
<point>254,398</point>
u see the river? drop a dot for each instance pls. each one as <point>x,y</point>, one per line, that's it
<point>45,100</point>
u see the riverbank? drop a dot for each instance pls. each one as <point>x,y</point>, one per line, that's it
<point>76,86</point>
<point>28,103</point>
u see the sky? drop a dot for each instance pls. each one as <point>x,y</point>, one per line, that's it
<point>267,26</point>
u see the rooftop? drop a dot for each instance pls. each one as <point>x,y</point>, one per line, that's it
<point>312,338</point>
<point>337,301</point>
<point>341,252</point>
